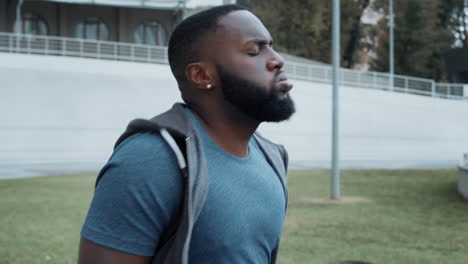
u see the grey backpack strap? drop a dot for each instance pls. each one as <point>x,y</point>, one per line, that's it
<point>175,148</point>
<point>168,235</point>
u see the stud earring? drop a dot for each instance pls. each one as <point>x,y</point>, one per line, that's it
<point>209,86</point>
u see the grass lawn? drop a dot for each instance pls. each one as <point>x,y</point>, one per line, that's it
<point>386,216</point>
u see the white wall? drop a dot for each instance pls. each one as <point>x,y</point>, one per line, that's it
<point>56,110</point>
<point>378,129</point>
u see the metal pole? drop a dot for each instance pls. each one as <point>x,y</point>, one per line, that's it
<point>392,51</point>
<point>335,183</point>
<point>19,25</point>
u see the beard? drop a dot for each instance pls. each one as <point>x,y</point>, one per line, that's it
<point>262,104</point>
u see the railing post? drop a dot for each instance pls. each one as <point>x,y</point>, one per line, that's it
<point>132,52</point>
<point>406,84</point>
<point>28,39</point>
<point>448,91</point>
<point>433,89</point>
<point>98,49</point>
<point>342,77</point>
<point>389,81</point>
<point>46,47</point>
<point>10,43</point>
<point>148,53</point>
<point>64,46</point>
<point>374,80</point>
<point>360,79</point>
<point>18,42</point>
<point>115,51</point>
<point>309,72</point>
<point>81,48</point>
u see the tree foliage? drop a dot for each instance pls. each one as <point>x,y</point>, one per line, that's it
<point>303,27</point>
<point>424,31</point>
<point>422,36</point>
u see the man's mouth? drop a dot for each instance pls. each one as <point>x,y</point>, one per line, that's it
<point>284,84</point>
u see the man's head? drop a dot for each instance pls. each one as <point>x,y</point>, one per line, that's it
<point>224,56</point>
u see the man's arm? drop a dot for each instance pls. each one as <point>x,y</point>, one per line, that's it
<point>91,253</point>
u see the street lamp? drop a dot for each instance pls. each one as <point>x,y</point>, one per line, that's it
<point>19,25</point>
<point>391,25</point>
<point>335,182</point>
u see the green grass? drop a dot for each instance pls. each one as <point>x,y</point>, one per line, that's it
<point>413,216</point>
<point>41,218</point>
<point>408,216</point>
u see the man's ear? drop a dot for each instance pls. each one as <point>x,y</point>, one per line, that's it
<point>198,75</point>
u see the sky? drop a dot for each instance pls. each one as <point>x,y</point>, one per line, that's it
<point>194,3</point>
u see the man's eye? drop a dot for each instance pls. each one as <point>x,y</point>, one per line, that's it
<point>253,53</point>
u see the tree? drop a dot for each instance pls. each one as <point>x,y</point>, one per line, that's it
<point>352,41</point>
<point>303,27</point>
<point>422,36</point>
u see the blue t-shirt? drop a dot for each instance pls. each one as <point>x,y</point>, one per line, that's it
<point>141,191</point>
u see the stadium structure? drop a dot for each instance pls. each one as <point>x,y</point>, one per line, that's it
<point>73,73</point>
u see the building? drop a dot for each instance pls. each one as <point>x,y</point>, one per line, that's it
<point>147,22</point>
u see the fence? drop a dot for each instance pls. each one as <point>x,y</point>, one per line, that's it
<point>74,47</point>
<point>377,80</point>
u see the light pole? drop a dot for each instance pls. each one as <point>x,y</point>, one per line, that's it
<point>19,25</point>
<point>391,25</point>
<point>335,183</point>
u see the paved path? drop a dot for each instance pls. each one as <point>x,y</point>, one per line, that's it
<point>16,171</point>
<point>11,171</point>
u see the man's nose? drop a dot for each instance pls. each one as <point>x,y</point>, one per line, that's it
<point>276,61</point>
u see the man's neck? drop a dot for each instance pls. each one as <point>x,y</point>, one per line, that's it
<point>229,128</point>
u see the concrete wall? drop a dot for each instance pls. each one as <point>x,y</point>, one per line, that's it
<point>378,129</point>
<point>56,110</point>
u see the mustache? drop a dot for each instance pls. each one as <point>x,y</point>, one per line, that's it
<point>280,75</point>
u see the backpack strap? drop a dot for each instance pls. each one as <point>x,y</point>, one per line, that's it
<point>181,160</point>
<point>172,143</point>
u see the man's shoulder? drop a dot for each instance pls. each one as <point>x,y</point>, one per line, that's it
<point>146,149</point>
<point>141,144</point>
<point>141,140</point>
<point>142,157</point>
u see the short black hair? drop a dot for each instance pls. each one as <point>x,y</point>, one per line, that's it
<point>183,43</point>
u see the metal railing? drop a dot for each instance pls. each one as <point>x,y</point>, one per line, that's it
<point>74,47</point>
<point>377,80</point>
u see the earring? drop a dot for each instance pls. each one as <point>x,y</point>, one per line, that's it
<point>209,86</point>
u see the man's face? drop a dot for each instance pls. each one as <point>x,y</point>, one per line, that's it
<point>249,70</point>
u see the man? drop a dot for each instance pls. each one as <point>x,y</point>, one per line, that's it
<point>197,184</point>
